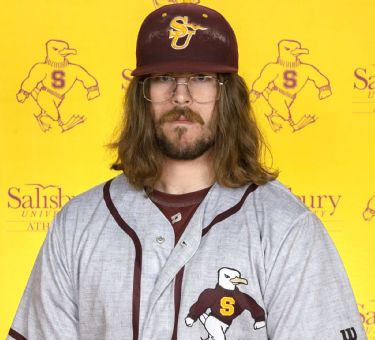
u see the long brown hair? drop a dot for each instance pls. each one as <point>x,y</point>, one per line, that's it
<point>238,148</point>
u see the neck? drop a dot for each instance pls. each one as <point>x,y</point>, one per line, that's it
<point>181,177</point>
<point>289,63</point>
<point>57,64</point>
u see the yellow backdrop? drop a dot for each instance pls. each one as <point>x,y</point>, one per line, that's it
<point>319,126</point>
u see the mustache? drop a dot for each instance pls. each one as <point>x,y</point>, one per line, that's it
<point>177,112</point>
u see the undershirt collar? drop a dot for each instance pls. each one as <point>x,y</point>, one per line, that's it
<point>179,200</point>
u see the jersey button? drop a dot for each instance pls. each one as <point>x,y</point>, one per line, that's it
<point>160,239</point>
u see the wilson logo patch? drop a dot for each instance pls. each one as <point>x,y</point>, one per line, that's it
<point>349,334</point>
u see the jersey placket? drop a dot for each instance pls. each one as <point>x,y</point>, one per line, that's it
<point>181,254</point>
<point>153,252</point>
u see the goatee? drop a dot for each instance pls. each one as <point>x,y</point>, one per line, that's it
<point>182,152</point>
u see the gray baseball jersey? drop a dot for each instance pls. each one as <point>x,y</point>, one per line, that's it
<point>253,263</point>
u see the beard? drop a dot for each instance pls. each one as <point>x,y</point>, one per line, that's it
<point>178,151</point>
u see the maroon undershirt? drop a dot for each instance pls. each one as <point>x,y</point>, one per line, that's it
<point>178,209</point>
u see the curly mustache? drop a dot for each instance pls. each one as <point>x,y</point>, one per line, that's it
<point>177,112</point>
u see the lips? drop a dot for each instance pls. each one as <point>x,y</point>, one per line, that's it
<point>183,119</point>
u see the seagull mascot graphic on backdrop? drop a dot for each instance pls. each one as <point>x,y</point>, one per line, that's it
<point>225,303</point>
<point>369,212</point>
<point>280,82</point>
<point>49,82</point>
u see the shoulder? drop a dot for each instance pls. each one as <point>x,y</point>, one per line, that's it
<point>270,203</point>
<point>279,214</point>
<point>276,200</point>
<point>39,67</point>
<point>75,66</point>
<point>271,66</point>
<point>90,205</point>
<point>84,202</point>
<point>278,211</point>
<point>271,208</point>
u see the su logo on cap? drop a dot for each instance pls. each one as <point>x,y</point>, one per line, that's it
<point>180,28</point>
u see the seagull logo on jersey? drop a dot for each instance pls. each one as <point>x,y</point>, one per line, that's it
<point>280,83</point>
<point>50,81</point>
<point>369,212</point>
<point>217,308</point>
<point>181,30</point>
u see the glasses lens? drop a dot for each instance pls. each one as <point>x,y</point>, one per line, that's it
<point>203,89</point>
<point>159,88</point>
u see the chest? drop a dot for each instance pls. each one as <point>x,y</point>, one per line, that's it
<point>156,293</point>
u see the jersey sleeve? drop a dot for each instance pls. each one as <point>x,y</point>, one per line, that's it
<point>47,309</point>
<point>308,294</point>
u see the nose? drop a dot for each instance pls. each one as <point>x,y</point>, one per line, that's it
<point>181,95</point>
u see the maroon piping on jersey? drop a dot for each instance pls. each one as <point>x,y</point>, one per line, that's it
<point>138,258</point>
<point>16,335</point>
<point>177,300</point>
<point>222,216</point>
<point>230,211</point>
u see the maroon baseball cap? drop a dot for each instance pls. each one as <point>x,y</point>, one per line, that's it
<point>186,38</point>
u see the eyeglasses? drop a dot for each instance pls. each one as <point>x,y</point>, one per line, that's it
<point>202,88</point>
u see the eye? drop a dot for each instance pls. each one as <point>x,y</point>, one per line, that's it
<point>226,276</point>
<point>202,77</point>
<point>163,79</point>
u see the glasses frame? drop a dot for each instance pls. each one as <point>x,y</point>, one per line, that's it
<point>220,83</point>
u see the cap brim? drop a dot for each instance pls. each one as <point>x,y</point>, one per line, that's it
<point>183,67</point>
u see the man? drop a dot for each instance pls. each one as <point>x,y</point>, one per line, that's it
<point>196,239</point>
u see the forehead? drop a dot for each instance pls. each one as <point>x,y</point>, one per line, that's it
<point>181,75</point>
